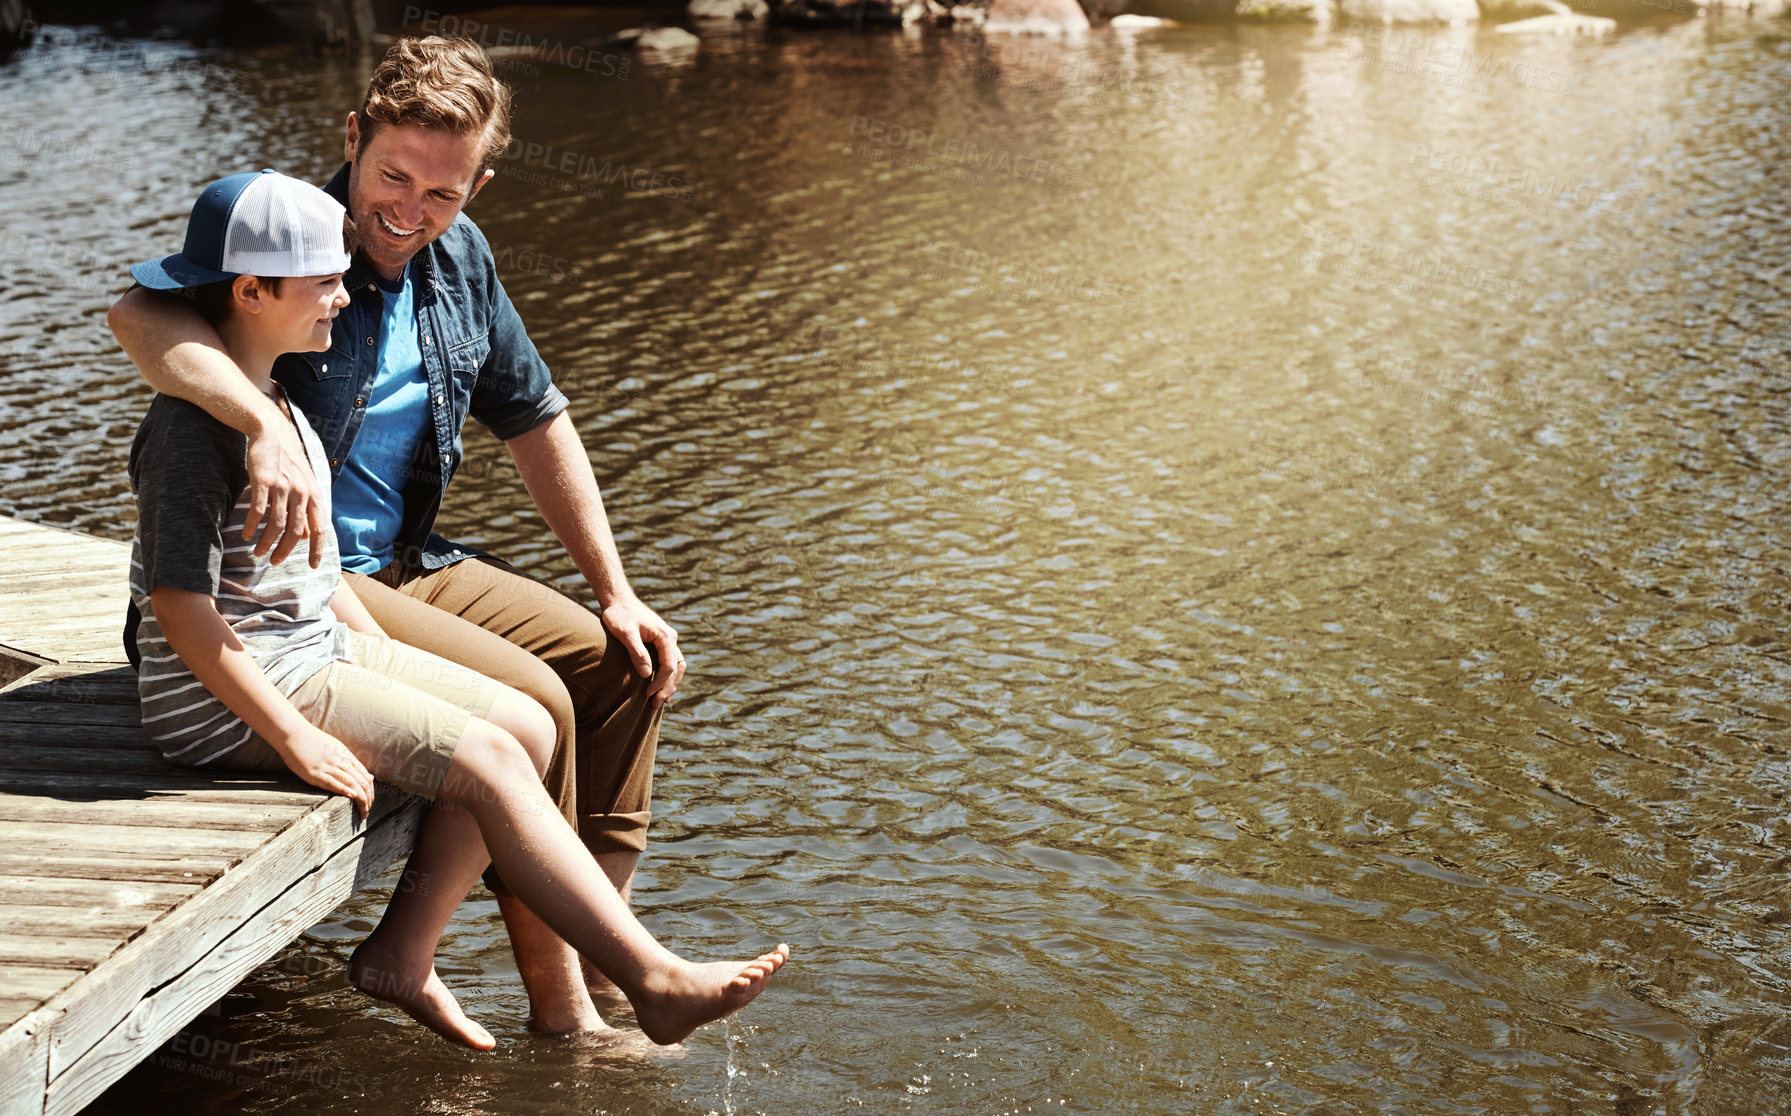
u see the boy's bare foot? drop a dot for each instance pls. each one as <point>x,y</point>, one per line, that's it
<point>686,996</point>
<point>420,994</point>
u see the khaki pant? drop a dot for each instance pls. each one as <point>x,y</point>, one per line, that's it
<point>483,614</point>
<point>406,706</point>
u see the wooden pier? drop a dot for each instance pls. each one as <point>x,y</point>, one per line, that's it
<point>133,893</point>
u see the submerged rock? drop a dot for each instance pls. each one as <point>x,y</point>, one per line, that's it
<point>728,9</point>
<point>1411,11</point>
<point>829,13</point>
<point>13,17</point>
<point>655,38</point>
<point>1035,17</point>
<point>1187,11</point>
<point>1285,11</point>
<point>1559,24</point>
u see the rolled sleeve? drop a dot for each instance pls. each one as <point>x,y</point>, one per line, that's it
<point>515,391</point>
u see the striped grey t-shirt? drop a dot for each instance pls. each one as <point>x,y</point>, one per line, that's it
<point>191,480</point>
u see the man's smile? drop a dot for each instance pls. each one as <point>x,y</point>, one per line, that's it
<point>394,230</point>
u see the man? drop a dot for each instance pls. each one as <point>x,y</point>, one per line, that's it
<point>429,336</point>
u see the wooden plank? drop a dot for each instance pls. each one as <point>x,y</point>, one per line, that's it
<point>26,981</point>
<point>53,635</point>
<point>25,1057</point>
<point>105,683</point>
<point>201,923</point>
<point>36,921</point>
<point>187,868</point>
<point>70,952</point>
<point>101,786</point>
<point>74,759</point>
<point>131,841</point>
<point>184,817</point>
<point>16,664</point>
<point>51,891</point>
<point>68,713</point>
<point>158,1016</point>
<point>102,588</point>
<point>114,736</point>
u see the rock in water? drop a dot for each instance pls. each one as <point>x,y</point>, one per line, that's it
<point>655,38</point>
<point>1138,22</point>
<point>1411,11</point>
<point>833,13</point>
<point>1284,11</point>
<point>728,9</point>
<point>1036,17</point>
<point>13,17</point>
<point>1558,24</point>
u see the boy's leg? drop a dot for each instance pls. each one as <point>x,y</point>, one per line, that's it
<point>406,736</point>
<point>434,885</point>
<point>401,734</point>
<point>540,857</point>
<point>549,967</point>
<point>615,722</point>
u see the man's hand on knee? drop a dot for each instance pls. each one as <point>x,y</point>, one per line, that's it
<point>636,626</point>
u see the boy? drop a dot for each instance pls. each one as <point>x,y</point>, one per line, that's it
<point>245,664</point>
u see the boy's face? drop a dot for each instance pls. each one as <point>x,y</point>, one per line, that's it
<point>299,317</point>
<point>407,186</point>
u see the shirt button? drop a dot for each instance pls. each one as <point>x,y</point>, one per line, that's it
<point>371,288</point>
<point>425,339</point>
<point>332,463</point>
<point>359,401</point>
<point>438,401</point>
<point>323,367</point>
<point>369,340</point>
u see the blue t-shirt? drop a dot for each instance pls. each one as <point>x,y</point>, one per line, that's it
<point>367,495</point>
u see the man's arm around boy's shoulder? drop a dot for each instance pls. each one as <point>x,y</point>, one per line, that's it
<point>179,353</point>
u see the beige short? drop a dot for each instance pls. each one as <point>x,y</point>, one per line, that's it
<point>409,707</point>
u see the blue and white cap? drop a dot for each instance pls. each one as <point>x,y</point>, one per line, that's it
<point>259,223</point>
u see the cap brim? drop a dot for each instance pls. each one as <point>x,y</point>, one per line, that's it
<point>174,272</point>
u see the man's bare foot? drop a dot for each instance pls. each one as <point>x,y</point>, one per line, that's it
<point>597,984</point>
<point>591,1024</point>
<point>419,993</point>
<point>685,996</point>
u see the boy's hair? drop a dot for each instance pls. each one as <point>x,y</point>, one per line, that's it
<point>214,301</point>
<point>439,82</point>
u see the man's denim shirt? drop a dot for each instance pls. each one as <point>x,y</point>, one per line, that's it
<point>477,357</point>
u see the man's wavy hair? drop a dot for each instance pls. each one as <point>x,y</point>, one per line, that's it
<point>439,82</point>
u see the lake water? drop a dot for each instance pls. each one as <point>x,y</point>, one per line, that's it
<point>1225,570</point>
